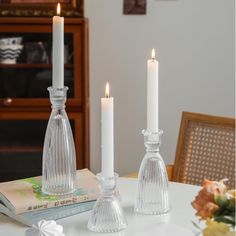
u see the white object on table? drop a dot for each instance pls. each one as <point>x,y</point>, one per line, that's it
<point>107,134</point>
<point>45,228</point>
<point>179,222</point>
<point>58,50</point>
<point>152,94</point>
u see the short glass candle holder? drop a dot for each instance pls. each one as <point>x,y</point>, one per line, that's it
<point>152,194</point>
<point>107,214</point>
<point>116,190</point>
<point>59,158</point>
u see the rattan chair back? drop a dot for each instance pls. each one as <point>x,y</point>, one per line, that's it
<point>205,149</point>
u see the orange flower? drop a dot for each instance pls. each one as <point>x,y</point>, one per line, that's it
<point>204,202</point>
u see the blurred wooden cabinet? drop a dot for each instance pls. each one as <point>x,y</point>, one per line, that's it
<point>24,99</point>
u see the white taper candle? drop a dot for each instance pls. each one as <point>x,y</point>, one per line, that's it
<point>107,134</point>
<point>58,50</point>
<point>152,94</point>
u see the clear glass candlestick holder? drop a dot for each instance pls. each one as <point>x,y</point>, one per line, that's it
<point>59,158</point>
<point>116,190</point>
<point>107,214</point>
<point>152,194</point>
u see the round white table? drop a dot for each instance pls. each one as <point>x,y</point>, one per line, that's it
<point>178,223</point>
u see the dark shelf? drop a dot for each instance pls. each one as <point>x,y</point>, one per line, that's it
<point>25,65</point>
<point>20,149</point>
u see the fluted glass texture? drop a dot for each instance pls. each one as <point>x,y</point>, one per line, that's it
<point>59,158</point>
<point>107,215</point>
<point>152,194</point>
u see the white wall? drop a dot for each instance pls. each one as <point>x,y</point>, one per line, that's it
<point>194,40</point>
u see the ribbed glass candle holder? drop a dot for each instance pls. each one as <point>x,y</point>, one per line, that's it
<point>107,215</point>
<point>59,158</point>
<point>152,194</point>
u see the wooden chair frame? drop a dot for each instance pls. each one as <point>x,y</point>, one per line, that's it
<point>186,118</point>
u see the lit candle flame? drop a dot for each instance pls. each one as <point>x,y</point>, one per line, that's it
<point>58,9</point>
<point>153,54</point>
<point>107,91</point>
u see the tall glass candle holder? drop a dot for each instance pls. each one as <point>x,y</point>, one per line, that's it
<point>59,159</point>
<point>107,214</point>
<point>152,194</point>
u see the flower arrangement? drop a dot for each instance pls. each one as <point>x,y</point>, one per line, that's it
<point>216,206</point>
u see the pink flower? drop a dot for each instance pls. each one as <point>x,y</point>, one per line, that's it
<point>204,202</point>
<point>215,187</point>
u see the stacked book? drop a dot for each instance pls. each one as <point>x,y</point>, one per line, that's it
<point>23,200</point>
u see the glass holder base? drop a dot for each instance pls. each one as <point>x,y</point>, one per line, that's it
<point>152,196</point>
<point>59,158</point>
<point>107,214</point>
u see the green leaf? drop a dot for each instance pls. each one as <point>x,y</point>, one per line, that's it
<point>226,219</point>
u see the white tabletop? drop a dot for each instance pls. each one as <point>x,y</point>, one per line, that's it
<point>178,223</point>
